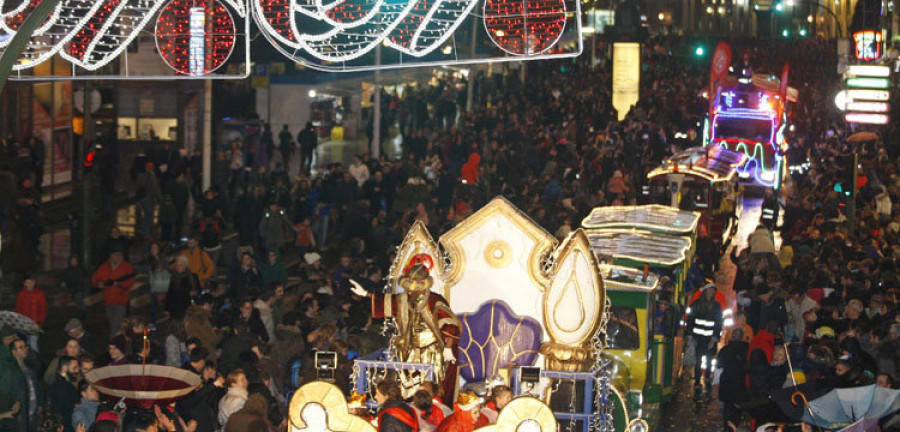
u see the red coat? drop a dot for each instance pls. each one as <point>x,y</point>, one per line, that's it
<point>32,304</point>
<point>764,341</point>
<point>461,421</point>
<point>116,293</point>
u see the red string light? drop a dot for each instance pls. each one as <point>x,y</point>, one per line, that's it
<point>14,21</point>
<point>173,35</point>
<point>525,27</point>
<point>277,14</point>
<point>80,42</point>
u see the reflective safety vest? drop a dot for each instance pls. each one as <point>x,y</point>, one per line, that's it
<point>705,320</point>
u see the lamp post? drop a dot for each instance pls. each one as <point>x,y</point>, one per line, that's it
<point>837,21</point>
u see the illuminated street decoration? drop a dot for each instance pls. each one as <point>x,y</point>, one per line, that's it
<point>344,35</point>
<point>198,51</point>
<point>333,35</point>
<point>91,34</point>
<point>524,27</point>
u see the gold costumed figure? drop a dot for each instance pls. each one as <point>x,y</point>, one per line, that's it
<point>427,330</point>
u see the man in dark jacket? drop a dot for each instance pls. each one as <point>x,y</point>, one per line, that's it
<point>62,394</point>
<point>198,405</point>
<point>732,359</point>
<point>184,285</point>
<point>308,140</point>
<point>704,325</point>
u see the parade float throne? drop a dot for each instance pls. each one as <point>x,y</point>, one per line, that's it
<point>522,299</point>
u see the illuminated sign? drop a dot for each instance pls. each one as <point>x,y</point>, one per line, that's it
<point>879,107</point>
<point>866,118</point>
<point>869,71</point>
<point>868,45</point>
<point>878,83</point>
<point>197,46</point>
<point>876,95</point>
<point>626,76</point>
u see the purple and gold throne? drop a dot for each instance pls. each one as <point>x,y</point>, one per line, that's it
<point>495,338</point>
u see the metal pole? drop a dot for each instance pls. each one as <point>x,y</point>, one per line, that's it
<point>470,89</point>
<point>207,108</point>
<point>87,210</point>
<point>207,133</point>
<point>375,150</point>
<point>851,217</point>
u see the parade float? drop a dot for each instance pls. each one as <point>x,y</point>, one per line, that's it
<point>646,254</point>
<point>509,303</point>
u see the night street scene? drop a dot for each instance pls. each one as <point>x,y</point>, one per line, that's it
<point>449,216</point>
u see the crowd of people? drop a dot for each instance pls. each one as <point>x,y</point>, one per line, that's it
<point>818,312</point>
<point>233,311</point>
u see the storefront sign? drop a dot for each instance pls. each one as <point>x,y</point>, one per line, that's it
<point>626,76</point>
<point>869,71</point>
<point>866,118</point>
<point>868,45</point>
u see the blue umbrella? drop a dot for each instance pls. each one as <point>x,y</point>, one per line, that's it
<point>842,407</point>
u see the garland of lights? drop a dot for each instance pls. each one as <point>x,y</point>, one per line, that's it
<point>13,19</point>
<point>524,27</point>
<point>92,33</point>
<point>412,27</point>
<point>187,49</point>
<point>109,32</point>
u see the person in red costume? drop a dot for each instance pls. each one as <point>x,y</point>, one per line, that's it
<point>394,415</point>
<point>467,416</point>
<point>427,330</point>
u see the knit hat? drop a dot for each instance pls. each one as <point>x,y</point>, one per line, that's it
<point>120,342</point>
<point>73,324</point>
<point>311,258</point>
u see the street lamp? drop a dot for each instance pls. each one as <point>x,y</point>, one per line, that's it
<point>837,21</point>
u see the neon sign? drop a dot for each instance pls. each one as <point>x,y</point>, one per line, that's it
<point>869,71</point>
<point>866,118</point>
<point>876,95</point>
<point>868,45</point>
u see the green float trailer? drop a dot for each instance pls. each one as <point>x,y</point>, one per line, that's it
<point>640,245</point>
<point>661,237</point>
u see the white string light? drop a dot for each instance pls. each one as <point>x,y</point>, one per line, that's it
<point>72,17</point>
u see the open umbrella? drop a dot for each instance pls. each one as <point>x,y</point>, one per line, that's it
<point>842,407</point>
<point>19,322</point>
<point>863,136</point>
<point>143,385</point>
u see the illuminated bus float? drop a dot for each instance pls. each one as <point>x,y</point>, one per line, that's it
<point>749,116</point>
